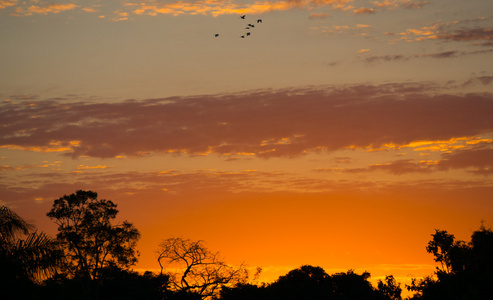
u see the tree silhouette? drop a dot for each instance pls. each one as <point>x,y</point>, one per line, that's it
<point>201,272</point>
<point>465,271</point>
<point>312,282</point>
<point>25,257</point>
<point>307,281</point>
<point>89,239</point>
<point>390,288</point>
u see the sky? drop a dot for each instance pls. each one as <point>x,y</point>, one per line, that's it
<point>337,133</point>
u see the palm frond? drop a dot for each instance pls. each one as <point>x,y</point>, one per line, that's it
<point>12,225</point>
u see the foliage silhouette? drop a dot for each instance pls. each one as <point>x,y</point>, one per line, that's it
<point>25,257</point>
<point>390,288</point>
<point>201,271</point>
<point>115,283</point>
<point>89,239</point>
<point>92,256</point>
<point>311,282</point>
<point>466,268</point>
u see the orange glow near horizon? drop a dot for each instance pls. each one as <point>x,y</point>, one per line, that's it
<point>335,133</point>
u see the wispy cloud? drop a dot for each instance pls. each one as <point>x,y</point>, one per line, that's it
<point>397,167</point>
<point>465,30</point>
<point>392,4</point>
<point>364,10</point>
<point>358,29</point>
<point>439,55</point>
<point>44,8</point>
<point>209,7</point>
<point>7,3</point>
<point>481,160</point>
<point>225,7</point>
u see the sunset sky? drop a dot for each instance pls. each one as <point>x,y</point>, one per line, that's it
<point>339,133</point>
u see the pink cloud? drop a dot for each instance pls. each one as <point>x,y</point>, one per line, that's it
<point>480,159</point>
<point>264,124</point>
<point>398,167</point>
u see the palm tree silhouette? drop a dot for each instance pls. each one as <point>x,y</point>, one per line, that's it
<point>32,258</point>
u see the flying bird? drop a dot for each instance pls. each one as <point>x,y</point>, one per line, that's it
<point>243,17</point>
<point>259,21</point>
<point>216,35</point>
<point>248,33</point>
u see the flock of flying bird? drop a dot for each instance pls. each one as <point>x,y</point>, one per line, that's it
<point>249,26</point>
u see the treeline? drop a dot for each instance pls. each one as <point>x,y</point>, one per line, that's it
<point>91,257</point>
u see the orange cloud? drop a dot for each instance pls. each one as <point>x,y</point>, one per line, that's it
<point>212,7</point>
<point>449,32</point>
<point>392,4</point>
<point>363,10</point>
<point>44,9</point>
<point>53,146</point>
<point>7,3</point>
<point>225,7</point>
<point>83,167</point>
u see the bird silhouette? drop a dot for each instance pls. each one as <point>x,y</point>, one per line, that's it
<point>243,17</point>
<point>216,35</point>
<point>248,33</point>
<point>259,21</point>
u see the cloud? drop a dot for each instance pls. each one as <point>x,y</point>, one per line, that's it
<point>392,4</point>
<point>7,3</point>
<point>446,54</point>
<point>319,15</point>
<point>358,29</point>
<point>398,167</point>
<point>480,159</point>
<point>387,57</point>
<point>414,4</point>
<point>26,167</point>
<point>225,7</point>
<point>473,154</point>
<point>212,7</point>
<point>44,9</point>
<point>439,55</point>
<point>364,10</point>
<point>261,123</point>
<point>474,34</point>
<point>450,31</point>
<point>485,80</point>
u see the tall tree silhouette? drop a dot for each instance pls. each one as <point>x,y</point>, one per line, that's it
<point>89,239</point>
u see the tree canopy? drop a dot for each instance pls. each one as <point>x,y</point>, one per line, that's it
<point>89,238</point>
<point>465,268</point>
